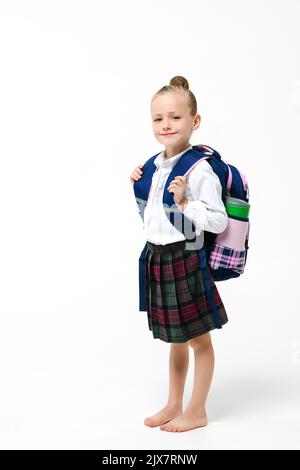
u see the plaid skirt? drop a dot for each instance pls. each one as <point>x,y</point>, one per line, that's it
<point>178,305</point>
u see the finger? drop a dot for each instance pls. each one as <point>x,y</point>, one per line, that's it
<point>179,180</point>
<point>173,188</point>
<point>175,183</point>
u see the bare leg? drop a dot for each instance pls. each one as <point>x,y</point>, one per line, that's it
<point>195,414</point>
<point>178,367</point>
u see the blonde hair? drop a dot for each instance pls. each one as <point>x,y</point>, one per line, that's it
<point>180,84</point>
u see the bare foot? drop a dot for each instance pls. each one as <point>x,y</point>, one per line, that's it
<point>185,422</point>
<point>163,416</point>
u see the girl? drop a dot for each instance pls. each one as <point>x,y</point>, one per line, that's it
<point>178,307</point>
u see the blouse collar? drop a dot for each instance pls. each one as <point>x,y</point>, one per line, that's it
<point>161,161</point>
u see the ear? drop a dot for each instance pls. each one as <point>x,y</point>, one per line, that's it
<point>197,121</point>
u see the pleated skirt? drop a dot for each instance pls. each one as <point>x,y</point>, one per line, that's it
<point>178,306</point>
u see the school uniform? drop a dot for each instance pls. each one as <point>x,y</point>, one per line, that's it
<point>177,301</point>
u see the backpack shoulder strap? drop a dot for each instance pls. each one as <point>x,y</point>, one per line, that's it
<point>142,186</point>
<point>184,165</point>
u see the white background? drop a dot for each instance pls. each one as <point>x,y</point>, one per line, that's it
<point>79,367</point>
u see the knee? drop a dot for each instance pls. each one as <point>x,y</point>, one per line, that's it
<point>201,343</point>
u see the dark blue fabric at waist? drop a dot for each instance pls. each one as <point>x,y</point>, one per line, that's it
<point>165,248</point>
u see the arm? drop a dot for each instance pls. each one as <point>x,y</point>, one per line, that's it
<point>206,210</point>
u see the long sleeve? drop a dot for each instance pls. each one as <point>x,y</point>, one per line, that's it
<point>205,207</point>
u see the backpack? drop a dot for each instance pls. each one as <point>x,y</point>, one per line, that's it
<point>226,252</point>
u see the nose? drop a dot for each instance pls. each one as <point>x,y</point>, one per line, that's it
<point>166,126</point>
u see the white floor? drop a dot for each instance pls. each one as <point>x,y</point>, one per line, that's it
<point>254,413</point>
<point>56,396</point>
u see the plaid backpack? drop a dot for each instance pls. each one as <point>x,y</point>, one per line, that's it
<point>226,252</point>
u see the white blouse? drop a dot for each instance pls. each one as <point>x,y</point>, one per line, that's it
<point>205,207</point>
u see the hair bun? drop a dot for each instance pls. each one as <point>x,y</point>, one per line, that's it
<point>179,81</point>
<point>179,84</point>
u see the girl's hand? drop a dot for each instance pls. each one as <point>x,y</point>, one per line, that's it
<point>136,174</point>
<point>177,186</point>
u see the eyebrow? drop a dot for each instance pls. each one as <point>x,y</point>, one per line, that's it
<point>171,112</point>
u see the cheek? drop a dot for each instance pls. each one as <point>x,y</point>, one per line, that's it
<point>182,126</point>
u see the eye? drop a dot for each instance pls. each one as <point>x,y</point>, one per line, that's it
<point>159,119</point>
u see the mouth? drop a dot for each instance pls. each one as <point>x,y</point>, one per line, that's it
<point>169,133</point>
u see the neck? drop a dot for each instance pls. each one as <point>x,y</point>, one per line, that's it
<point>171,152</point>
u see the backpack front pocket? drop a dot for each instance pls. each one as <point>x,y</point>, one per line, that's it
<point>230,247</point>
